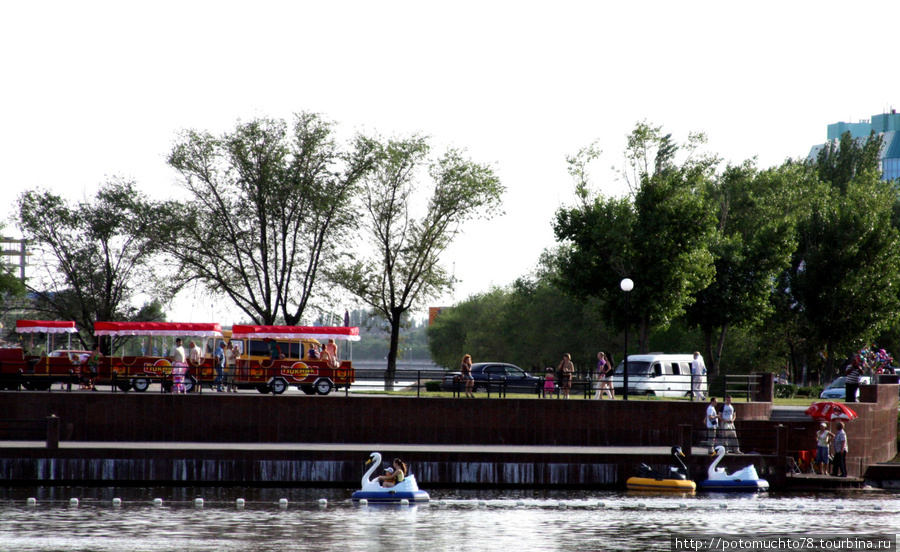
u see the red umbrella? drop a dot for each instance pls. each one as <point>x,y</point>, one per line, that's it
<point>830,411</point>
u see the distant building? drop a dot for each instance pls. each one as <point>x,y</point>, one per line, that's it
<point>887,125</point>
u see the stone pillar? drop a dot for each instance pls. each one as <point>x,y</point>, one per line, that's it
<point>52,432</point>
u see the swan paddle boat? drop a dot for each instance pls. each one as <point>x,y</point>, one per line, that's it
<point>372,491</point>
<point>649,479</point>
<point>744,480</point>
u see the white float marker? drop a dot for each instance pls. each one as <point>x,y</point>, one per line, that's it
<point>283,503</point>
<point>198,502</point>
<point>33,502</point>
<point>117,502</point>
<point>157,502</point>
<point>239,503</point>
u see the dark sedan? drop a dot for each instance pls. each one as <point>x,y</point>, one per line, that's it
<point>495,374</point>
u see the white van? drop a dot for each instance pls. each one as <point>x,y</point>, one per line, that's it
<point>657,374</point>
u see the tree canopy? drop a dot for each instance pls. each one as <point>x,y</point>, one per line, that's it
<point>268,211</point>
<point>659,237</point>
<point>97,255</point>
<point>402,266</point>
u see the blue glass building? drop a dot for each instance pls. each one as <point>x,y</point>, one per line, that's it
<point>887,125</point>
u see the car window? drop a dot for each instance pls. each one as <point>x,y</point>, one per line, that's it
<point>513,372</point>
<point>495,370</point>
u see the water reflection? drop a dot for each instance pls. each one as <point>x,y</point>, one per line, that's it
<point>455,520</point>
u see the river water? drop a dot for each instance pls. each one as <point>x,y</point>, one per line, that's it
<point>490,520</point>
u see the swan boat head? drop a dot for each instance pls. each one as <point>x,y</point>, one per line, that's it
<point>716,473</point>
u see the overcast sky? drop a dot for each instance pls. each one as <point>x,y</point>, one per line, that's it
<point>91,90</point>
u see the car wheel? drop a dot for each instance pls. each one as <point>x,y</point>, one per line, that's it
<point>481,387</point>
<point>324,386</point>
<point>190,384</point>
<point>140,384</point>
<point>650,393</point>
<point>278,386</point>
<point>264,389</point>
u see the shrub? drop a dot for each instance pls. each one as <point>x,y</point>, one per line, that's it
<point>432,386</point>
<point>785,391</point>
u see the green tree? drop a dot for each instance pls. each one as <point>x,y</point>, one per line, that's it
<point>95,256</point>
<point>844,277</point>
<point>268,214</point>
<point>659,237</point>
<point>752,245</point>
<point>403,267</point>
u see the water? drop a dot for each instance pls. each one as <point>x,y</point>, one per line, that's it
<point>466,520</point>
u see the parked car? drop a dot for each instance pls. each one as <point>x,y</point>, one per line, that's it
<point>838,388</point>
<point>493,373</point>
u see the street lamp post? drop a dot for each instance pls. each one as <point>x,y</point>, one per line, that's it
<point>627,285</point>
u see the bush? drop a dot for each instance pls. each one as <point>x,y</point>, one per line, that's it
<point>433,386</point>
<point>785,391</point>
<point>813,392</point>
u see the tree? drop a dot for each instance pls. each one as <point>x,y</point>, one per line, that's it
<point>95,256</point>
<point>753,242</point>
<point>659,237</point>
<point>844,276</point>
<point>268,214</point>
<point>403,268</point>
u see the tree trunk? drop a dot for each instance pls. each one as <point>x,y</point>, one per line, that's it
<point>392,352</point>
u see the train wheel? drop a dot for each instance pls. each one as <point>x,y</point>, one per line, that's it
<point>324,386</point>
<point>140,384</point>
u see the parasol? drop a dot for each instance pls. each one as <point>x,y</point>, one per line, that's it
<point>830,411</point>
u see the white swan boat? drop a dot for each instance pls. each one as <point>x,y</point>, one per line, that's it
<point>744,480</point>
<point>372,491</point>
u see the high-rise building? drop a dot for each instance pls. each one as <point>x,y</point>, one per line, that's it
<point>886,125</point>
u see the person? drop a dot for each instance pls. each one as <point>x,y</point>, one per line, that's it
<point>840,452</point>
<point>854,371</point>
<point>396,476</point>
<point>313,352</point>
<point>196,353</point>
<point>219,381</point>
<point>698,368</point>
<point>93,368</point>
<point>466,369</point>
<point>729,435</point>
<point>178,354</point>
<point>549,382</point>
<point>179,370</point>
<point>823,441</point>
<point>274,351</point>
<point>604,377</point>
<point>712,425</point>
<point>232,369</point>
<point>229,367</point>
<point>329,354</point>
<point>565,371</point>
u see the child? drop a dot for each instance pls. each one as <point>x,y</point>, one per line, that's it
<point>549,383</point>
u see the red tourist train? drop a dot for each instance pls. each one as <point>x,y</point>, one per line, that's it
<point>146,357</point>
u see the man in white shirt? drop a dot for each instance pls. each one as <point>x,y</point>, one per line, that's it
<point>712,425</point>
<point>729,435</point>
<point>698,368</point>
<point>196,353</point>
<point>178,354</point>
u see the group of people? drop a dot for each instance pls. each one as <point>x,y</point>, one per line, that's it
<point>825,442</point>
<point>393,475</point>
<point>225,362</point>
<point>720,426</point>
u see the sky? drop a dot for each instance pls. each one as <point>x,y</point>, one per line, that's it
<point>93,90</point>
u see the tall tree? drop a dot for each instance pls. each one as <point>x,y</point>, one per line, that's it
<point>95,256</point>
<point>753,242</point>
<point>268,211</point>
<point>658,237</point>
<point>844,276</point>
<point>404,268</point>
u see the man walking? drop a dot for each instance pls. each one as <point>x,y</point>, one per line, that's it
<point>698,368</point>
<point>712,425</point>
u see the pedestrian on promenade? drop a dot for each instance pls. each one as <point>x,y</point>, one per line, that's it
<point>852,384</point>
<point>712,425</point>
<point>698,368</point>
<point>604,377</point>
<point>565,371</point>
<point>549,382</point>
<point>840,452</point>
<point>729,435</point>
<point>466,369</point>
<point>219,381</point>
